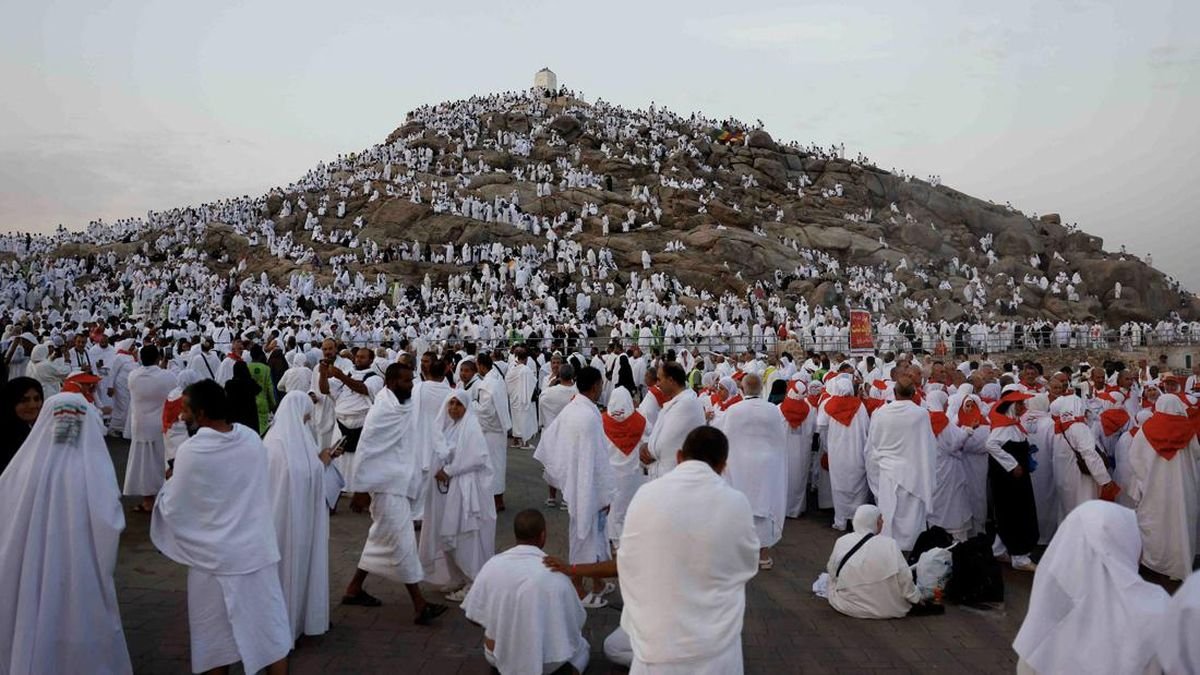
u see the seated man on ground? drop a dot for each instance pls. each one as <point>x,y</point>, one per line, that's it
<point>868,576</point>
<point>532,618</point>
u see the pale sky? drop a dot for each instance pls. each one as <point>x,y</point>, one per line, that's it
<point>1085,108</point>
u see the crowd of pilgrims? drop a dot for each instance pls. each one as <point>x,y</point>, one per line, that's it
<point>671,423</point>
<point>1011,458</point>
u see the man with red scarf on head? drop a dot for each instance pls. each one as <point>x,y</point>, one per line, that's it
<point>1008,475</point>
<point>1165,461</point>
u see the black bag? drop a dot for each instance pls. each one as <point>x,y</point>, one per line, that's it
<point>934,537</point>
<point>975,579</point>
<point>350,436</point>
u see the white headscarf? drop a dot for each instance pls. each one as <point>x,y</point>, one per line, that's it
<point>39,353</point>
<point>289,428</point>
<point>60,532</point>
<point>866,519</point>
<point>462,444</point>
<point>954,407</point>
<point>1067,408</point>
<point>840,385</point>
<point>1089,611</point>
<point>729,385</point>
<point>936,400</point>
<point>465,435</point>
<point>1170,404</point>
<point>620,404</point>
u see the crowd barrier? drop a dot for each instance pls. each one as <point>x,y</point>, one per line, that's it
<point>991,343</point>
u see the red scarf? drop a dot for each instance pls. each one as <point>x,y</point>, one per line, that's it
<point>971,419</point>
<point>1194,416</point>
<point>873,404</point>
<point>658,395</point>
<point>999,420</point>
<point>814,400</point>
<point>795,411</point>
<point>842,408</point>
<point>233,356</point>
<point>627,434</point>
<point>1113,419</point>
<point>73,387</point>
<point>938,420</point>
<point>724,405</point>
<point>1061,425</point>
<point>171,410</point>
<point>1168,434</point>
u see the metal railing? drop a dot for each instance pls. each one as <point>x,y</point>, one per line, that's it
<point>992,343</point>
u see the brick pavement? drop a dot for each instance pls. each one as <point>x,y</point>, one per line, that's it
<point>787,629</point>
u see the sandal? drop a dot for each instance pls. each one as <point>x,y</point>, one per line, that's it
<point>428,613</point>
<point>609,587</point>
<point>361,599</point>
<point>766,564</point>
<point>141,508</point>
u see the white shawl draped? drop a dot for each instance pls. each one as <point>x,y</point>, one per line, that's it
<point>58,548</point>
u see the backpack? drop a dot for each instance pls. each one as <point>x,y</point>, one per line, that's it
<point>975,579</point>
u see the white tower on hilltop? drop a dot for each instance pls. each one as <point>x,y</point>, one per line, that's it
<point>546,80</point>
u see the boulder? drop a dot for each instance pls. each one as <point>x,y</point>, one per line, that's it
<point>772,168</point>
<point>1013,242</point>
<point>920,236</point>
<point>567,126</point>
<point>761,139</point>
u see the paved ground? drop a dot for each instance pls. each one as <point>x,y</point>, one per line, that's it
<point>787,629</point>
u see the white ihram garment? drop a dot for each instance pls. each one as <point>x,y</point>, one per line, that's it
<point>58,548</point>
<point>297,490</point>
<point>458,534</point>
<point>145,470</point>
<point>214,516</point>
<point>687,552</point>
<point>846,449</point>
<point>757,465</point>
<point>1089,611</point>
<point>901,453</point>
<point>431,397</point>
<point>582,471</point>
<point>386,464</point>
<point>520,383</point>
<point>1167,494</point>
<point>532,614</point>
<point>677,418</point>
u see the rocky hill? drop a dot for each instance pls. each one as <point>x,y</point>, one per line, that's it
<point>759,205</point>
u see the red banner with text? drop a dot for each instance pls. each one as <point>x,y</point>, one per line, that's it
<point>862,341</point>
